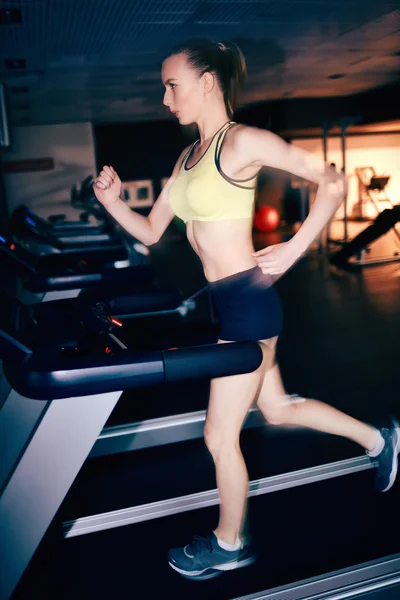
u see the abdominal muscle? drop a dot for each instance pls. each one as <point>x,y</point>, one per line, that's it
<point>224,247</point>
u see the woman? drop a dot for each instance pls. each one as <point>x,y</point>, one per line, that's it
<point>212,189</point>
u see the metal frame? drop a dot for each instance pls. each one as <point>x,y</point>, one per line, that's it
<point>374,199</point>
<point>157,432</point>
<point>42,442</point>
<point>378,575</point>
<point>344,124</point>
<point>45,444</point>
<point>173,506</point>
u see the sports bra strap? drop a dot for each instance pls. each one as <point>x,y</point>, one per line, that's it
<point>221,139</point>
<point>224,128</point>
<point>218,149</point>
<point>188,153</point>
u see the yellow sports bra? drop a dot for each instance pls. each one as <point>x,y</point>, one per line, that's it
<point>204,193</point>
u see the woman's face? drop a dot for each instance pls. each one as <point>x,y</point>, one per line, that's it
<point>184,93</point>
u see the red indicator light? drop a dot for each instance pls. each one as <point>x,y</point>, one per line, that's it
<point>172,348</point>
<point>107,350</point>
<point>116,321</point>
<point>12,247</point>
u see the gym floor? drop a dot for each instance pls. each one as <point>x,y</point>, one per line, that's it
<point>340,344</point>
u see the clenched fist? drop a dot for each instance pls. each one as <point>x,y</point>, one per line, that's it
<point>107,186</point>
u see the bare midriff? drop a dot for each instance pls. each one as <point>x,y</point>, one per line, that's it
<point>224,247</point>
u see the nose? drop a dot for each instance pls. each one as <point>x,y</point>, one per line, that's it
<point>167,98</point>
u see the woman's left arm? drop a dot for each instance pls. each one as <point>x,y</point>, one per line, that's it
<point>265,149</point>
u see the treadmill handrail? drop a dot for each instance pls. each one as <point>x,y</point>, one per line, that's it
<point>24,216</point>
<point>115,277</point>
<point>42,281</point>
<point>40,376</point>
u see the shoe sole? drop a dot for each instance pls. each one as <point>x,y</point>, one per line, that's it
<point>395,463</point>
<point>211,572</point>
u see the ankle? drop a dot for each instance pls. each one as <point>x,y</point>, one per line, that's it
<point>227,539</point>
<point>376,444</point>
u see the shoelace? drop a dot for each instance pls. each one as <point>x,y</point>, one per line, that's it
<point>200,543</point>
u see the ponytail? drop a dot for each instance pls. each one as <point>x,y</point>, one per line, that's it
<point>224,59</point>
<point>237,74</point>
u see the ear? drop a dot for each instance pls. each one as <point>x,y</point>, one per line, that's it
<point>208,82</point>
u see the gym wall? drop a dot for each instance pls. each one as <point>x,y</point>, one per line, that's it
<point>141,150</point>
<point>43,163</point>
<point>380,151</point>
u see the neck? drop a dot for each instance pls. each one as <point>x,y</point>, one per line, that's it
<point>209,124</point>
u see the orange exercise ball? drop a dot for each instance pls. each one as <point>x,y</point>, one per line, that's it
<point>267,219</point>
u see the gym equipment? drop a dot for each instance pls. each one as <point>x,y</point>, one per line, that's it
<point>378,579</point>
<point>60,276</point>
<point>266,219</point>
<point>126,293</point>
<point>48,439</point>
<point>58,222</point>
<point>142,199</point>
<point>372,190</point>
<point>25,226</point>
<point>89,387</point>
<point>161,325</point>
<point>385,221</point>
<point>25,222</point>
<point>343,124</point>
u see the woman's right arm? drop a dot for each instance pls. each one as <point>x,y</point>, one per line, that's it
<point>148,230</point>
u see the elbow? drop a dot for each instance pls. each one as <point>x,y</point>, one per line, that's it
<point>152,241</point>
<point>334,187</point>
<point>152,235</point>
<point>153,238</point>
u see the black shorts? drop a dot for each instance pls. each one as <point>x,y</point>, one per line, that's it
<point>247,306</point>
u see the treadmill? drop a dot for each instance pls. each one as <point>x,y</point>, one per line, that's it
<point>58,276</point>
<point>23,423</point>
<point>59,223</point>
<point>26,226</point>
<point>164,315</point>
<point>60,401</point>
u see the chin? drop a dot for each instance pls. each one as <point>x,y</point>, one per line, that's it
<point>185,121</point>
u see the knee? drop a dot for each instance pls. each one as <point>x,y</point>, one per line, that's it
<point>219,444</point>
<point>277,415</point>
<point>282,412</point>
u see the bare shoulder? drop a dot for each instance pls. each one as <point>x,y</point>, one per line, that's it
<point>263,148</point>
<point>182,155</point>
<point>179,162</point>
<point>246,139</point>
<point>185,151</point>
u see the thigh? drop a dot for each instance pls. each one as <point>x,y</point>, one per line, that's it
<point>231,397</point>
<point>272,392</point>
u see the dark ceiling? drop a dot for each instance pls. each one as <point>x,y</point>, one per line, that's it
<point>99,60</point>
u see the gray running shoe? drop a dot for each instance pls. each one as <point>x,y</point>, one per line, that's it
<point>204,558</point>
<point>387,461</point>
